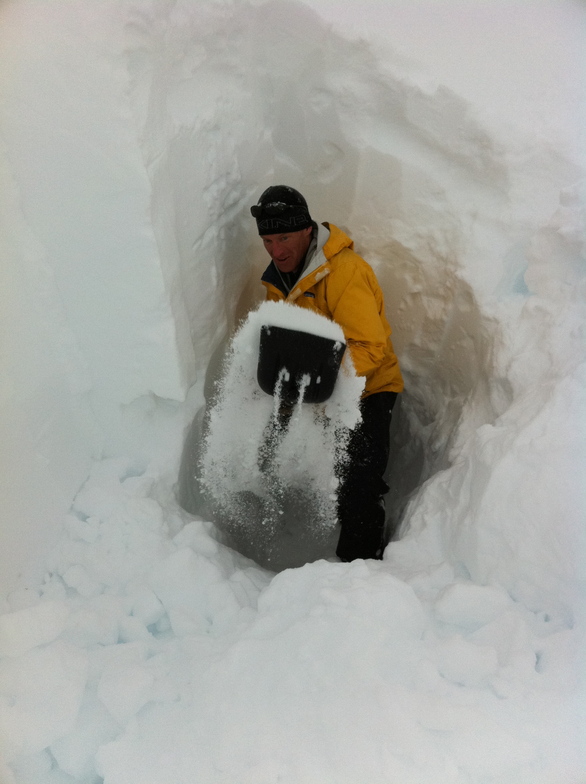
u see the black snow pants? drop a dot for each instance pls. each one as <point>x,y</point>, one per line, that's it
<point>361,511</point>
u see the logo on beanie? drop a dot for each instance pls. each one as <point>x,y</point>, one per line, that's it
<point>294,222</point>
<point>281,209</point>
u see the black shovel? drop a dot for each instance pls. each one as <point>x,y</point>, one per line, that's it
<point>295,367</point>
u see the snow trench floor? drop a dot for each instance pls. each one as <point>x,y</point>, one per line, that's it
<point>154,654</point>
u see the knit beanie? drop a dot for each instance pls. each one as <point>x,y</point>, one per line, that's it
<point>281,210</point>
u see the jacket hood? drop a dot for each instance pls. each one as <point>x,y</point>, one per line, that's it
<point>336,241</point>
<point>330,240</point>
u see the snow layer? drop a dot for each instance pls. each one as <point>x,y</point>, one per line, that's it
<point>447,139</point>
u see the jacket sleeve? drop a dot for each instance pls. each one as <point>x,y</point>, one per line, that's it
<point>356,307</point>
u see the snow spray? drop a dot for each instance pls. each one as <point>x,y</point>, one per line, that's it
<point>269,463</point>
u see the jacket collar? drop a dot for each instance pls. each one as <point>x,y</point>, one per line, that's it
<point>330,241</point>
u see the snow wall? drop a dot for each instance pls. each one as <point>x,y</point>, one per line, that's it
<point>134,136</point>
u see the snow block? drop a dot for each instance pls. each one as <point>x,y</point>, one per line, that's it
<point>125,691</point>
<point>464,663</point>
<point>471,606</point>
<point>40,697</point>
<point>75,753</point>
<point>25,629</point>
<point>96,623</point>
<point>195,594</point>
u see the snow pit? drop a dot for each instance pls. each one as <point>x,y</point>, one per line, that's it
<point>135,644</point>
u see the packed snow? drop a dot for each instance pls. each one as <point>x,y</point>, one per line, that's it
<point>141,640</point>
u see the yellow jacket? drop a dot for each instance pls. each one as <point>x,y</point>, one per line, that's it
<point>339,284</point>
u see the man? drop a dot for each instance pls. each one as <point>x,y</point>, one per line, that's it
<point>315,267</point>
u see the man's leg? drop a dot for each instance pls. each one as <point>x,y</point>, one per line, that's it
<point>361,511</point>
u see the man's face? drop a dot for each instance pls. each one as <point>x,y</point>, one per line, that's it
<point>287,250</point>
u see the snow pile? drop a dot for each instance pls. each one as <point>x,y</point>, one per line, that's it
<point>134,137</point>
<point>163,656</point>
<point>81,655</point>
<point>265,475</point>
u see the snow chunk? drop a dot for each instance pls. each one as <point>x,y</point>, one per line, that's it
<point>96,622</point>
<point>146,606</point>
<point>124,691</point>
<point>78,577</point>
<point>195,593</point>
<point>352,591</point>
<point>25,629</point>
<point>470,606</point>
<point>40,696</point>
<point>75,753</point>
<point>465,663</point>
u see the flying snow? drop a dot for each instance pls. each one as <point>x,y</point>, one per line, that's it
<point>268,472</point>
